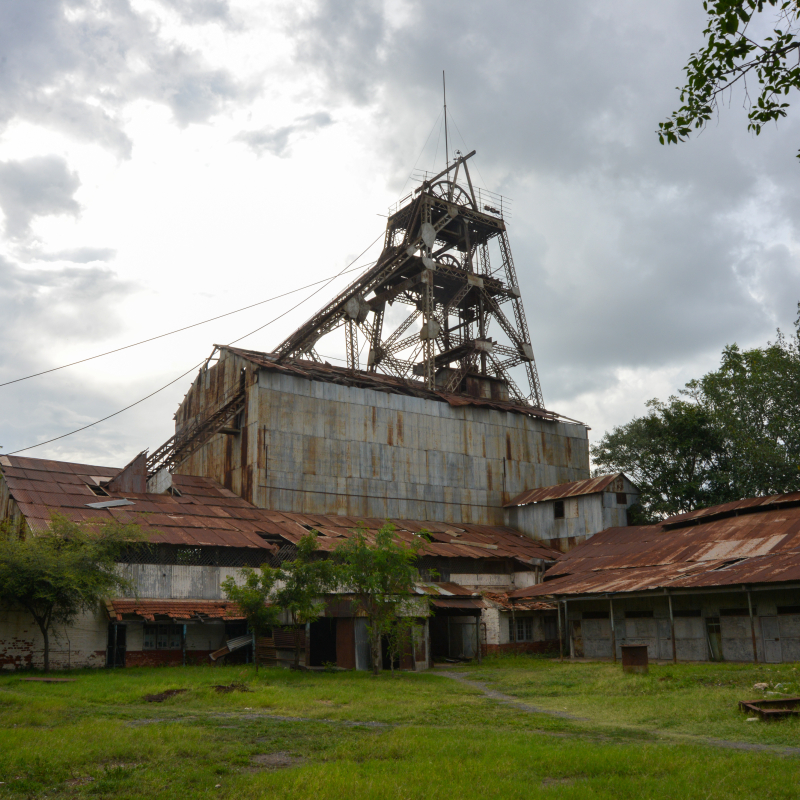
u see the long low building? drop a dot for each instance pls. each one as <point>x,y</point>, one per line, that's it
<point>717,584</point>
<point>200,533</point>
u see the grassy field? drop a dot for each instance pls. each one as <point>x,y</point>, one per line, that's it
<point>672,733</point>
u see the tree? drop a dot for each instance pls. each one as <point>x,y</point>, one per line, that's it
<point>735,433</point>
<point>305,579</point>
<point>734,53</point>
<point>673,454</point>
<point>381,573</point>
<point>69,568</point>
<point>256,599</point>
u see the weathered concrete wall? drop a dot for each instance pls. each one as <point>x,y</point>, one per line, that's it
<point>319,447</point>
<point>584,516</point>
<point>82,644</point>
<point>777,633</point>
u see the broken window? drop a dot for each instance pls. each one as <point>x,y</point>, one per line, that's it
<point>98,490</point>
<point>162,637</point>
<point>558,509</point>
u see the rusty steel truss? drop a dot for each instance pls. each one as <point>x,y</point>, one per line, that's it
<point>435,261</point>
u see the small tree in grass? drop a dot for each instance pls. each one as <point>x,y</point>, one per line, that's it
<point>56,574</point>
<point>256,599</point>
<point>381,573</point>
<point>304,580</point>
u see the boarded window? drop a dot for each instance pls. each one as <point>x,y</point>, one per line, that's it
<point>622,499</point>
<point>558,509</point>
<point>162,637</point>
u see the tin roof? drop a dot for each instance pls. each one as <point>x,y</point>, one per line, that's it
<point>719,550</point>
<point>174,609</point>
<point>314,370</point>
<point>561,490</point>
<point>207,514</point>
<point>448,540</point>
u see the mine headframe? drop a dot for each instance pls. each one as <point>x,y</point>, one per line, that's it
<point>435,260</point>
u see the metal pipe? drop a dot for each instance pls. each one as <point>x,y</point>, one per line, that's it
<point>672,630</point>
<point>613,630</point>
<point>752,627</point>
<point>567,632</point>
<point>478,635</point>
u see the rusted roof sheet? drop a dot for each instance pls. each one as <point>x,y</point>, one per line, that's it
<point>573,489</point>
<point>207,514</point>
<point>458,602</point>
<point>444,589</point>
<point>449,540</point>
<point>313,370</point>
<point>762,546</point>
<point>204,514</point>
<point>739,506</point>
<point>521,604</point>
<point>174,609</point>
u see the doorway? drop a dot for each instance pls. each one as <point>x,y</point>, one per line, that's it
<point>714,636</point>
<point>117,638</point>
<point>576,638</point>
<point>322,647</point>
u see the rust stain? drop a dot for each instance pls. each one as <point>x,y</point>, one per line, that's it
<point>399,427</point>
<point>508,446</point>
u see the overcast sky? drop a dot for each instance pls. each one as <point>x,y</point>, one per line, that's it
<point>163,161</point>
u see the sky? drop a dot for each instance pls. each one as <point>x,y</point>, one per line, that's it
<point>166,161</point>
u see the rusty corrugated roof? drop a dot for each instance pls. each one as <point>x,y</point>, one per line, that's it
<point>758,547</point>
<point>561,490</point>
<point>174,609</point>
<point>205,513</point>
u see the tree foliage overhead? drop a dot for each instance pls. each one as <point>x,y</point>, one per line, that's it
<point>734,53</point>
<point>734,433</point>
<point>381,572</point>
<point>56,574</point>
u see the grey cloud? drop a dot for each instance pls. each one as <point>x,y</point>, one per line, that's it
<point>35,187</point>
<point>69,66</point>
<point>276,140</point>
<point>76,255</point>
<point>198,12</point>
<point>629,254</point>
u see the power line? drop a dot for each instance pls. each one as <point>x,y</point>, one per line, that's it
<point>196,366</point>
<point>188,327</point>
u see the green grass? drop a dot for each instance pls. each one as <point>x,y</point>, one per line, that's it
<point>436,738</point>
<point>690,699</point>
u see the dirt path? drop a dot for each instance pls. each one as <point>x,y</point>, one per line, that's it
<point>507,699</point>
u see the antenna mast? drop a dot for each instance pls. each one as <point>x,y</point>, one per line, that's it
<point>446,150</point>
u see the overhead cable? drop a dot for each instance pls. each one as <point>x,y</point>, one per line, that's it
<point>198,365</point>
<point>187,327</point>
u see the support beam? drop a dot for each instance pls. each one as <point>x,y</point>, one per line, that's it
<point>752,627</point>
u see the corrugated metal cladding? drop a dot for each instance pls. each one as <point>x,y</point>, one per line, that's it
<point>324,440</point>
<point>722,548</point>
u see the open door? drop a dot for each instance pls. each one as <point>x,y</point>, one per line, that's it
<point>117,641</point>
<point>714,637</point>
